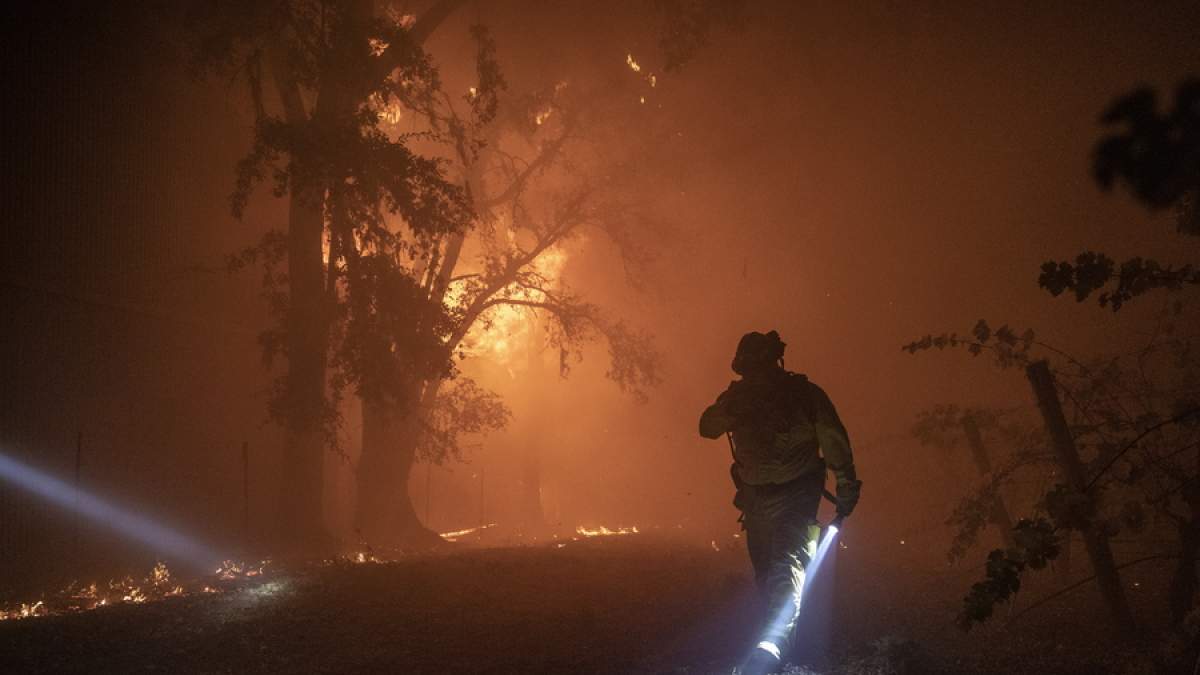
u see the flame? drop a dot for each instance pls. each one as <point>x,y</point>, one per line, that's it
<point>390,113</point>
<point>650,78</point>
<point>157,585</point>
<point>603,531</point>
<point>378,47</point>
<point>399,17</point>
<point>356,558</point>
<point>24,611</point>
<point>458,534</point>
<point>506,329</point>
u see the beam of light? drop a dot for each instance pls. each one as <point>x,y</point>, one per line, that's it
<point>831,533</point>
<point>787,611</point>
<point>160,538</point>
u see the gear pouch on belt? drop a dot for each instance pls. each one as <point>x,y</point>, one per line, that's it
<point>743,497</point>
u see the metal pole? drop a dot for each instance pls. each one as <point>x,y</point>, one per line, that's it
<point>999,513</point>
<point>428,490</point>
<point>245,493</point>
<point>481,511</point>
<point>78,474</point>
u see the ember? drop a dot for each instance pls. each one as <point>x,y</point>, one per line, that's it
<point>604,531</point>
<point>157,585</point>
<point>459,534</point>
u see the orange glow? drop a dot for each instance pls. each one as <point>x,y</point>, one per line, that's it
<point>603,531</point>
<point>459,534</point>
<point>504,332</point>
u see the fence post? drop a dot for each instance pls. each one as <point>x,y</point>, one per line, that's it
<point>1062,564</point>
<point>245,495</point>
<point>1095,541</point>
<point>78,477</point>
<point>999,514</point>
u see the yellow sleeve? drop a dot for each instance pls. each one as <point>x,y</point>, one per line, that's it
<point>831,434</point>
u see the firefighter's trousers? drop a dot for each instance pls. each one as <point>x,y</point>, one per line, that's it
<point>781,535</point>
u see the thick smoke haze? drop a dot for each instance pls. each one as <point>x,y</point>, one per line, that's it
<point>855,176</point>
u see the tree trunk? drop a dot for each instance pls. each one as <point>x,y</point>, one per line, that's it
<point>1184,583</point>
<point>1062,564</point>
<point>409,531</point>
<point>1095,541</point>
<point>301,518</point>
<point>376,471</point>
<point>384,513</point>
<point>999,514</point>
<point>532,518</point>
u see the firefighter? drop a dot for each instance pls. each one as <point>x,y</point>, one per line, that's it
<point>784,433</point>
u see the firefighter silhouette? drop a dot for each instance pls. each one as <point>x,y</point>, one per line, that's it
<point>785,434</point>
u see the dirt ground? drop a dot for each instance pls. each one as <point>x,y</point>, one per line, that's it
<point>636,604</point>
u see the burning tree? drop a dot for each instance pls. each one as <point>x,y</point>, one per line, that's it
<point>404,246</point>
<point>531,168</point>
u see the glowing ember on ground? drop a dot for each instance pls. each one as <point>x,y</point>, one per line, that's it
<point>458,534</point>
<point>363,557</point>
<point>604,531</point>
<point>157,585</point>
<point>230,570</point>
<point>24,611</point>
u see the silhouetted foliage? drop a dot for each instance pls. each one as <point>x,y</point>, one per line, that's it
<point>1135,420</point>
<point>1008,348</point>
<point>1019,445</point>
<point>1036,545</point>
<point>1093,271</point>
<point>1157,155</point>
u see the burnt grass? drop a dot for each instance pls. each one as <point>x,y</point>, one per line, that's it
<point>613,605</point>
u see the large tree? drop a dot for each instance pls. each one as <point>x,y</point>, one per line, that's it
<point>322,147</point>
<point>366,278</point>
<point>529,166</point>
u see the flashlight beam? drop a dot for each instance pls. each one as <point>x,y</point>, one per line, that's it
<point>158,537</point>
<point>789,612</point>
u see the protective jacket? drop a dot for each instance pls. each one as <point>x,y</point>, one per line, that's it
<point>785,434</point>
<point>784,427</point>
